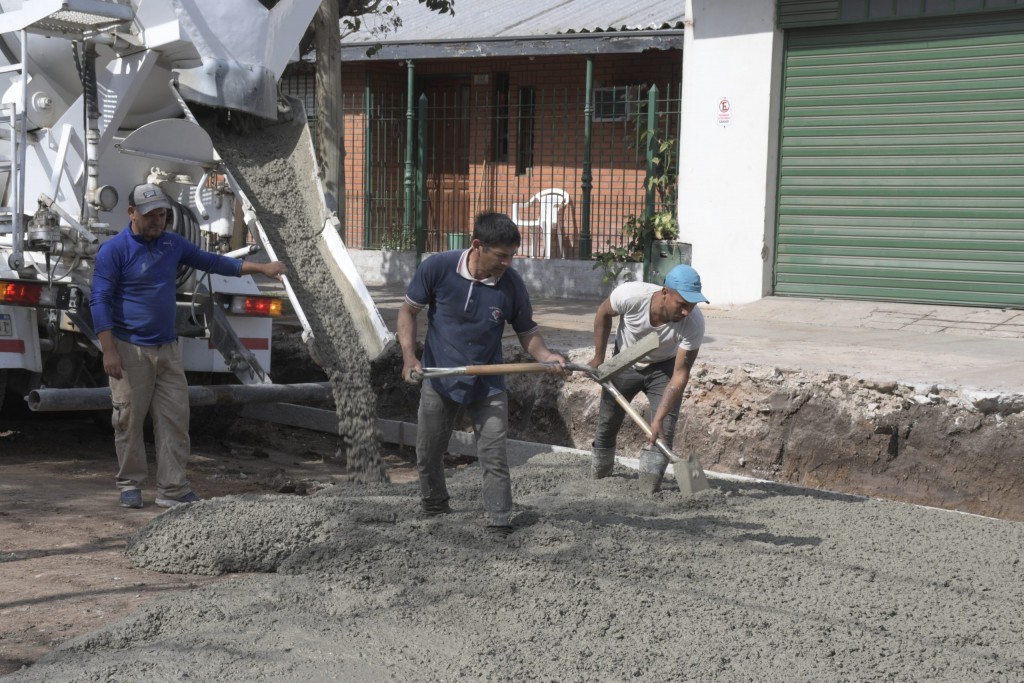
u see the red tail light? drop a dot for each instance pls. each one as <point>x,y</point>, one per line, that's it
<point>262,306</point>
<point>20,293</point>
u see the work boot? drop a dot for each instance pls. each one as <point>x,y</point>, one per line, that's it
<point>434,508</point>
<point>602,461</point>
<point>652,468</point>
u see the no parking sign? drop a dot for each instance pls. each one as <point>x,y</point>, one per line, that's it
<point>724,111</point>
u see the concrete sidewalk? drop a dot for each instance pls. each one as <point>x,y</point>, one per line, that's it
<point>951,347</point>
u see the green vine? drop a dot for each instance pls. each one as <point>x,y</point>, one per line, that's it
<point>640,230</point>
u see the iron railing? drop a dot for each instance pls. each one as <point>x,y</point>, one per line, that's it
<point>478,151</point>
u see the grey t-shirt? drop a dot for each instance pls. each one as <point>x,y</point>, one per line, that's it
<point>631,301</point>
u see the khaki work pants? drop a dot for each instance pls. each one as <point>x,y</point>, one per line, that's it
<point>153,382</point>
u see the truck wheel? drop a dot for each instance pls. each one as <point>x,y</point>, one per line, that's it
<point>3,389</point>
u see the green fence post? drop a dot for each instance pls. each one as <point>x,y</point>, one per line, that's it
<point>652,123</point>
<point>586,182</point>
<point>421,178</point>
<point>367,164</point>
<point>410,113</point>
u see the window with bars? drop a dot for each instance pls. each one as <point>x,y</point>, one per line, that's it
<point>614,103</point>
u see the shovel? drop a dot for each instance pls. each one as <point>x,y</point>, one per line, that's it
<point>602,373</point>
<point>689,473</point>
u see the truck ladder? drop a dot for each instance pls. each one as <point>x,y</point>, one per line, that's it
<point>14,119</point>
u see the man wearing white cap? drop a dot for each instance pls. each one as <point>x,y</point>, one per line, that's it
<point>671,312</point>
<point>133,308</point>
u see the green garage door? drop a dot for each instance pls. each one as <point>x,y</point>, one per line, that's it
<point>902,162</point>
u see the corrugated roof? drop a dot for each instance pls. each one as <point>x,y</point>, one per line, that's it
<point>490,19</point>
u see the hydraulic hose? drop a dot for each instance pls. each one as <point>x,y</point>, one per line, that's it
<point>185,223</point>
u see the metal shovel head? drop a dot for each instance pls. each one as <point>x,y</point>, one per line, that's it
<point>627,357</point>
<point>690,476</point>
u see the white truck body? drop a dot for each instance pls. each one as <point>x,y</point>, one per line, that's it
<point>72,145</point>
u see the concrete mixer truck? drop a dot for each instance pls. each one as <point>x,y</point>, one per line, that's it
<point>96,96</point>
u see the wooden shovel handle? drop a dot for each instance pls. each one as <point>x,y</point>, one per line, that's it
<point>639,420</point>
<point>506,368</point>
<point>499,369</point>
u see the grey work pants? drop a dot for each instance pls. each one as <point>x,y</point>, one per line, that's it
<point>436,417</point>
<point>651,380</point>
<point>152,381</point>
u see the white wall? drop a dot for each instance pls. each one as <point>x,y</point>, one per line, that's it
<point>728,170</point>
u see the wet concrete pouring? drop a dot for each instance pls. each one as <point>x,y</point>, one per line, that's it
<point>744,581</point>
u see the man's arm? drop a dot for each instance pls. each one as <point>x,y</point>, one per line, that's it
<point>674,391</point>
<point>407,341</point>
<point>274,269</point>
<point>534,345</point>
<point>602,330</point>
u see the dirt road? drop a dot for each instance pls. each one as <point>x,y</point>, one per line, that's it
<point>62,566</point>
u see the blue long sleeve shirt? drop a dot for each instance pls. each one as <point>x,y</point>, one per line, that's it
<point>133,286</point>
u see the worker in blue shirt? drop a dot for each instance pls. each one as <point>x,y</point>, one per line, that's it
<point>470,295</point>
<point>133,309</point>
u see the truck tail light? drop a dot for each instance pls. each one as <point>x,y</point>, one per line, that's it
<point>20,293</point>
<point>260,306</point>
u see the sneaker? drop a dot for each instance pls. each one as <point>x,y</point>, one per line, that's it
<point>131,498</point>
<point>184,500</point>
<point>499,530</point>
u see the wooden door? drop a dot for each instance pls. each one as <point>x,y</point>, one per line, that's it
<point>447,163</point>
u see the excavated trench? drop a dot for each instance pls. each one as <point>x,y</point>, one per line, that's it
<point>744,581</point>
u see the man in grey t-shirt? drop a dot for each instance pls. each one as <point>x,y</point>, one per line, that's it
<point>671,312</point>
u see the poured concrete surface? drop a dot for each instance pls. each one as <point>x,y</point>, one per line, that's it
<point>741,582</point>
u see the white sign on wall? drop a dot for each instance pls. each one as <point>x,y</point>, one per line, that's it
<point>724,111</point>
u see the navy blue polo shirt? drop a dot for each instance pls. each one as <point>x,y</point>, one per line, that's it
<point>465,321</point>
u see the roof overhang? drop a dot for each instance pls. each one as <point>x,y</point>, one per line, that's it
<point>610,42</point>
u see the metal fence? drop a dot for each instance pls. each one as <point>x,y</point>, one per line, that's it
<point>480,150</point>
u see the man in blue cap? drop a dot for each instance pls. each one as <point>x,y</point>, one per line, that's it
<point>671,312</point>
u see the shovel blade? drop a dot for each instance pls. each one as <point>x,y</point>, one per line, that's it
<point>690,476</point>
<point>627,357</point>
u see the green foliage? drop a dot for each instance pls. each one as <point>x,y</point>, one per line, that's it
<point>386,18</point>
<point>613,262</point>
<point>397,238</point>
<point>640,230</point>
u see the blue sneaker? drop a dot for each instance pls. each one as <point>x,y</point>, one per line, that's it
<point>131,498</point>
<point>172,502</point>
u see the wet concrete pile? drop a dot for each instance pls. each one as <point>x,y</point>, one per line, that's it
<point>275,168</point>
<point>741,582</point>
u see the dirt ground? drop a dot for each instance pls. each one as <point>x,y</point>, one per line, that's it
<point>63,571</point>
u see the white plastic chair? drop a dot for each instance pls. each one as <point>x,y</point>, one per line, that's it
<point>551,201</point>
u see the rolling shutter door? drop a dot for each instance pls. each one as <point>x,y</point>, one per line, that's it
<point>902,162</point>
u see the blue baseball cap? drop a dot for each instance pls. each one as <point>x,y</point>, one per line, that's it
<point>686,281</point>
